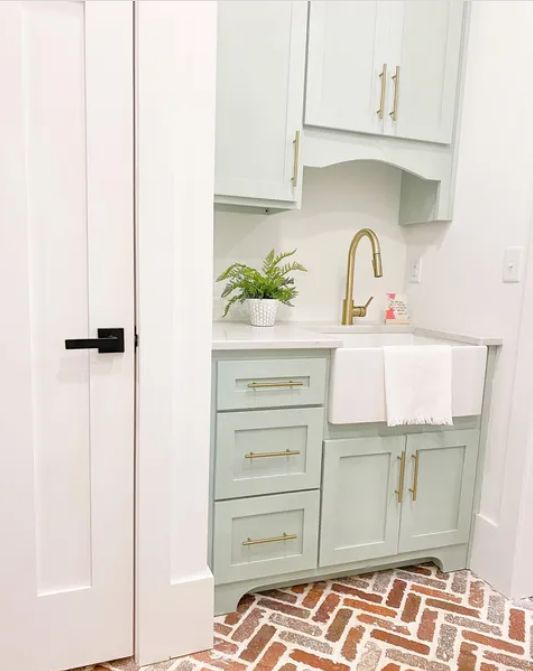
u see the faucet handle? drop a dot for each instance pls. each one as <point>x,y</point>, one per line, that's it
<point>360,310</point>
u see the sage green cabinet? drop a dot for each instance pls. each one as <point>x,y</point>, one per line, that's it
<point>386,68</point>
<point>267,451</point>
<point>360,509</point>
<point>343,65</point>
<point>387,495</point>
<point>429,70</point>
<point>265,535</point>
<point>440,475</point>
<point>270,383</point>
<point>260,91</point>
<point>288,506</point>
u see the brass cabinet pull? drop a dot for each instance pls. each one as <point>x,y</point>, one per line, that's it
<point>414,488</point>
<point>401,479</point>
<point>296,161</point>
<point>383,77</point>
<point>289,383</point>
<point>281,453</point>
<point>273,539</point>
<point>396,79</point>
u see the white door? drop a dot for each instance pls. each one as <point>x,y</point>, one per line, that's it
<point>426,83</point>
<point>260,89</point>
<point>66,269</point>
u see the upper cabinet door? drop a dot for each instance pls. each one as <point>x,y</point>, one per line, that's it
<point>345,77</point>
<point>425,86</point>
<point>440,475</point>
<point>385,67</point>
<point>260,83</point>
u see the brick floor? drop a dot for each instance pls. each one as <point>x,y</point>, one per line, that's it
<point>408,619</point>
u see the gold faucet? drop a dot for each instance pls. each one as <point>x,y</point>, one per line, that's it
<point>349,309</point>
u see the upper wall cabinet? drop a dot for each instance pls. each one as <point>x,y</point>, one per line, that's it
<point>260,92</point>
<point>384,67</point>
<point>383,84</point>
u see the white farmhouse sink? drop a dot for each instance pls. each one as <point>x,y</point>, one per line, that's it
<point>357,381</point>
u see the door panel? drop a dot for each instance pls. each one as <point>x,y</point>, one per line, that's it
<point>439,511</point>
<point>360,508</point>
<point>58,290</point>
<point>66,445</point>
<point>429,69</point>
<point>343,83</point>
<point>260,82</point>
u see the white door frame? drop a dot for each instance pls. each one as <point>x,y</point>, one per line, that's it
<point>516,502</point>
<point>175,112</point>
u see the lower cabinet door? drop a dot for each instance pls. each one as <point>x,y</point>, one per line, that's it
<point>440,475</point>
<point>360,499</point>
<point>265,535</point>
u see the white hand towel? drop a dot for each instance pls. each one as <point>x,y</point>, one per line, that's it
<point>418,384</point>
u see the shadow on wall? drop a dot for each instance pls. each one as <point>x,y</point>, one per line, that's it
<point>337,201</point>
<point>422,239</point>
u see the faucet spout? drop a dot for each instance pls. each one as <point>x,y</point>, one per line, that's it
<point>376,264</point>
<point>349,309</point>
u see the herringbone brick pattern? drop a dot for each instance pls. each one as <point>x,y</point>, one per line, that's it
<point>398,620</point>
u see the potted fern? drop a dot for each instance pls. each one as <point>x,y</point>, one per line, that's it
<point>261,290</point>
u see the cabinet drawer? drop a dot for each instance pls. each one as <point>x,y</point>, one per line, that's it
<point>265,535</point>
<point>267,451</point>
<point>270,383</point>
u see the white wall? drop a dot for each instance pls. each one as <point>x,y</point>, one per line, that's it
<point>175,49</point>
<point>337,201</point>
<point>462,285</point>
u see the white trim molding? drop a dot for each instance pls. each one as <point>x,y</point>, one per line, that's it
<point>175,112</point>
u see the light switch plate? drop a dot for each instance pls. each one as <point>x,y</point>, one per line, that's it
<point>512,264</point>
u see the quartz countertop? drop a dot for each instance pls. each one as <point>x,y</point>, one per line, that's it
<point>228,335</point>
<point>238,335</point>
<point>466,338</point>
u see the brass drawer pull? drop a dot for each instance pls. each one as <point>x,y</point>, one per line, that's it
<point>281,453</point>
<point>414,488</point>
<point>383,77</point>
<point>289,383</point>
<point>272,539</point>
<point>296,160</point>
<point>396,79</point>
<point>399,491</point>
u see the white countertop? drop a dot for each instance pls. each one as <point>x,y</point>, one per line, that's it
<point>228,335</point>
<point>466,338</point>
<point>238,335</point>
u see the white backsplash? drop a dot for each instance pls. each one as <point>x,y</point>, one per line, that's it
<point>337,201</point>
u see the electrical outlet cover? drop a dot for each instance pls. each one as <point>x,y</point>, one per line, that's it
<point>415,271</point>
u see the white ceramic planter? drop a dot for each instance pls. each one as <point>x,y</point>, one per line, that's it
<point>262,311</point>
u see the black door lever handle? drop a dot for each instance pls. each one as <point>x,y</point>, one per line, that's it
<point>109,340</point>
